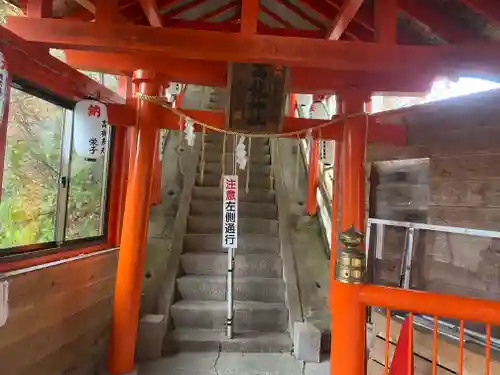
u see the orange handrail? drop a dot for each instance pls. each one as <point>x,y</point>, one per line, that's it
<point>428,303</point>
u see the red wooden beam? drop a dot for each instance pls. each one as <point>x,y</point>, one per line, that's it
<point>385,21</point>
<point>219,11</point>
<point>220,46</point>
<point>106,11</point>
<point>39,8</point>
<point>32,63</point>
<point>377,132</point>
<point>214,73</point>
<point>277,31</point>
<point>344,17</point>
<point>151,11</point>
<point>249,16</point>
<point>330,9</point>
<point>487,8</point>
<point>438,24</point>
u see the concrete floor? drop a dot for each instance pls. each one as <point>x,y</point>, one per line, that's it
<point>232,364</point>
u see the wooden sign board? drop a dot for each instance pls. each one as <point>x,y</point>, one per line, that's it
<point>257,97</point>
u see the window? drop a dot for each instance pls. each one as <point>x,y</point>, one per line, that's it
<point>49,194</point>
<point>31,171</point>
<point>87,184</point>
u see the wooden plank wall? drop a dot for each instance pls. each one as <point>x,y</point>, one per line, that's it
<point>59,318</point>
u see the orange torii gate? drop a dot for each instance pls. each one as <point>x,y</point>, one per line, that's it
<point>154,56</point>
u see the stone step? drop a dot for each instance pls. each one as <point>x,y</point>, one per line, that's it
<point>247,244</point>
<point>249,316</point>
<point>213,288</point>
<point>246,265</point>
<point>256,181</point>
<point>253,195</point>
<point>207,225</point>
<point>205,340</point>
<point>245,209</point>
<point>255,169</point>
<point>255,159</point>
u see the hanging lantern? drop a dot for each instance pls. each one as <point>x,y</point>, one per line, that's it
<point>90,129</point>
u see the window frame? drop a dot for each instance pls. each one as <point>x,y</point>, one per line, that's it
<point>60,244</point>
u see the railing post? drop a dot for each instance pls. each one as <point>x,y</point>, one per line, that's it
<point>134,234</point>
<point>348,312</point>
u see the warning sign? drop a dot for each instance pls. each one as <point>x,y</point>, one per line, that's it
<point>230,212</point>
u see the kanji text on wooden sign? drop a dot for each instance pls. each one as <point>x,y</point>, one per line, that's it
<point>257,97</point>
<point>230,212</point>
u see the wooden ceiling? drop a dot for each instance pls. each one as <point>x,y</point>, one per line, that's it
<point>418,21</point>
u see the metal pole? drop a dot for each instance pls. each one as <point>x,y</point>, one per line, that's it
<point>408,258</point>
<point>230,285</point>
<point>230,267</point>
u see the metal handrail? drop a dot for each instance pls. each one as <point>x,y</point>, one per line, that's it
<point>437,228</point>
<point>412,230</point>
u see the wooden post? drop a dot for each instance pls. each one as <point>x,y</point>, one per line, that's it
<point>348,312</point>
<point>133,239</point>
<point>312,178</point>
<point>119,170</point>
<point>335,200</point>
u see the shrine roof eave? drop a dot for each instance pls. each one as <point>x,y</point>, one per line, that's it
<point>298,52</point>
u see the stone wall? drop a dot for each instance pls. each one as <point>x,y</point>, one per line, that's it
<point>59,318</point>
<point>463,190</point>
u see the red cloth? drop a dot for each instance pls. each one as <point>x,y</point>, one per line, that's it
<point>399,365</point>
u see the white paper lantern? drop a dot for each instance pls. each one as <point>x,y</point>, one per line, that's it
<point>90,129</point>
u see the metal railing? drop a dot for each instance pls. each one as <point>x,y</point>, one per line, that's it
<point>412,231</point>
<point>427,310</point>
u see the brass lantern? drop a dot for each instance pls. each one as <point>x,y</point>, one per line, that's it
<point>350,266</point>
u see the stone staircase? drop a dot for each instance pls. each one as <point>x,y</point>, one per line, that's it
<point>199,311</point>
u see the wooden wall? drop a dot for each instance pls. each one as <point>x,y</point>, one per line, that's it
<point>59,318</point>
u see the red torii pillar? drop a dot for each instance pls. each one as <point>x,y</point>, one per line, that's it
<point>134,234</point>
<point>335,199</point>
<point>348,312</point>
